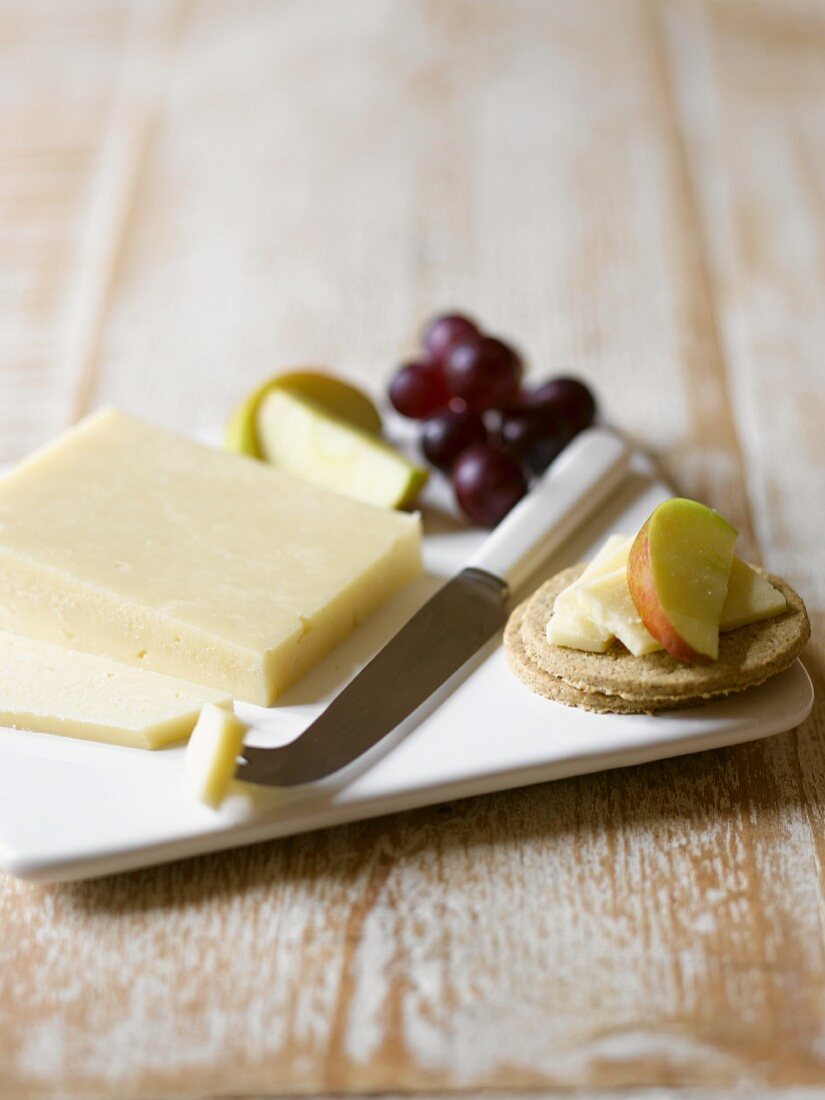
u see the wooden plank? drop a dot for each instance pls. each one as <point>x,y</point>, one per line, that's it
<point>761,155</point>
<point>80,88</point>
<point>305,182</point>
<point>58,70</point>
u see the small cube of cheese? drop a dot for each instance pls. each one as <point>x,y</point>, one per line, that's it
<point>209,764</point>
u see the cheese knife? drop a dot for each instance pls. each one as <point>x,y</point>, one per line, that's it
<point>454,623</point>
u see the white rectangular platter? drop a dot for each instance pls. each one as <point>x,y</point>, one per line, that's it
<point>72,809</point>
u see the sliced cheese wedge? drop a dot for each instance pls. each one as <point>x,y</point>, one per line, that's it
<point>569,625</point>
<point>574,629</point>
<point>751,597</point>
<point>49,689</point>
<point>209,763</point>
<point>612,554</point>
<point>607,601</point>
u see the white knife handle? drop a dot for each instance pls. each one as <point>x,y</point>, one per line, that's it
<point>582,477</point>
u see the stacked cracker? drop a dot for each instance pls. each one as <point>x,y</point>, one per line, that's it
<point>617,682</point>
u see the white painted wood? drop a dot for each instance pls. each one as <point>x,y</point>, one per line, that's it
<point>632,192</point>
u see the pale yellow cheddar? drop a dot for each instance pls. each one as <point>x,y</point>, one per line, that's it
<point>750,599</point>
<point>569,625</point>
<point>611,555</point>
<point>50,689</point>
<point>127,541</point>
<point>211,755</point>
<point>607,601</point>
<point>576,630</point>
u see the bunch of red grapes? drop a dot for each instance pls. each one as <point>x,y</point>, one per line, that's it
<point>480,425</point>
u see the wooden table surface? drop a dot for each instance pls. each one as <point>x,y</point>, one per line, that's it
<point>193,195</point>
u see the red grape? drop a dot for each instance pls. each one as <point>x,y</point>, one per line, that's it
<point>519,399</point>
<point>534,435</point>
<point>482,371</point>
<point>444,331</point>
<point>488,482</point>
<point>570,399</point>
<point>418,390</point>
<point>445,436</point>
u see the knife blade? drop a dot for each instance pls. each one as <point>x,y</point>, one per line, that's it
<point>454,623</point>
<point>436,642</point>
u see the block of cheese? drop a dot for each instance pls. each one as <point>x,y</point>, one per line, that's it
<point>50,689</point>
<point>131,542</point>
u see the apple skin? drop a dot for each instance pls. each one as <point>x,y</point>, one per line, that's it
<point>337,397</point>
<point>646,598</point>
<point>241,435</point>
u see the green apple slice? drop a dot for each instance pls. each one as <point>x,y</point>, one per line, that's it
<point>335,396</point>
<point>301,437</point>
<point>678,571</point>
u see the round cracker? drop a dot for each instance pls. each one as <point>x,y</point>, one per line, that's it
<point>747,656</point>
<point>551,687</point>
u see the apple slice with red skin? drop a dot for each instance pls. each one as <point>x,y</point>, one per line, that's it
<point>677,572</point>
